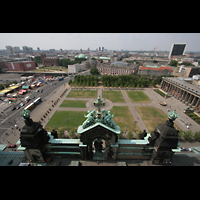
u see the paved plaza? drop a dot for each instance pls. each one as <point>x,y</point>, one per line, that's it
<point>172,104</point>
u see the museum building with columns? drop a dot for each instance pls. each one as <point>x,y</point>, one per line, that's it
<point>184,91</point>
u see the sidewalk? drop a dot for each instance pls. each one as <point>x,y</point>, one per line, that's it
<point>37,114</point>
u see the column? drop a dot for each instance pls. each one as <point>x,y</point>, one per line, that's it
<point>182,97</point>
<point>168,88</point>
<point>189,98</point>
<point>114,150</point>
<point>162,84</point>
<point>180,93</point>
<point>186,97</point>
<point>175,91</point>
<point>198,101</point>
<point>84,151</point>
<point>192,104</point>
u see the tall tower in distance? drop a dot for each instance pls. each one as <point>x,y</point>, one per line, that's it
<point>102,48</point>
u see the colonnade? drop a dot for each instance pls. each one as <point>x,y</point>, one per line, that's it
<point>180,93</point>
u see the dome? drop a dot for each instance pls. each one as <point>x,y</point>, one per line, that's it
<point>81,56</point>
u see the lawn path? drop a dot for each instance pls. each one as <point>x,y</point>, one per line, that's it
<point>135,114</point>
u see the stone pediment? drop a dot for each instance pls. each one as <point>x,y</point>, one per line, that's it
<point>83,130</point>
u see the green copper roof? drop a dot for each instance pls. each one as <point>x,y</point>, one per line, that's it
<point>104,58</point>
<point>81,56</point>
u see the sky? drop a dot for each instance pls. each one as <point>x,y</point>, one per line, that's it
<point>110,41</point>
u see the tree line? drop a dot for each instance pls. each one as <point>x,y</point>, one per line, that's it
<point>84,80</point>
<point>130,81</point>
<point>65,62</point>
<point>62,62</point>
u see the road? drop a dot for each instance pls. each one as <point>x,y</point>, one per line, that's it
<point>9,118</point>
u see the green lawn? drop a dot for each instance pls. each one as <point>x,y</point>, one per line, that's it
<point>83,93</point>
<point>138,97</point>
<point>152,116</point>
<point>59,119</point>
<point>123,118</point>
<point>114,96</point>
<point>66,120</point>
<point>73,103</point>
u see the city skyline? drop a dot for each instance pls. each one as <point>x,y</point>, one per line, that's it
<point>110,41</point>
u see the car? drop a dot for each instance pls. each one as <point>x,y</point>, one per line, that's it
<point>27,101</point>
<point>33,97</point>
<point>21,104</point>
<point>13,108</point>
<point>11,146</point>
<point>183,149</point>
<point>18,107</point>
<point>37,90</point>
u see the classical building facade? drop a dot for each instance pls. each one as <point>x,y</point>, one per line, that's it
<point>181,90</point>
<point>117,69</point>
<point>49,61</point>
<point>155,70</point>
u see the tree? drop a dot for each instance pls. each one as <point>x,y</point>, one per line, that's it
<point>94,71</point>
<point>180,135</point>
<point>197,135</point>
<point>72,133</point>
<point>154,82</point>
<point>173,63</point>
<point>188,135</point>
<point>70,81</point>
<point>129,135</point>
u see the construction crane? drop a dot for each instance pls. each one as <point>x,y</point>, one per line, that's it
<point>154,50</point>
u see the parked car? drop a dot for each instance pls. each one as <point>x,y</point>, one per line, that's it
<point>13,108</point>
<point>11,146</point>
<point>183,149</point>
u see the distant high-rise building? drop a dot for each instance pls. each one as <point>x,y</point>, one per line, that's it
<point>16,49</point>
<point>102,48</point>
<point>25,49</point>
<point>9,49</point>
<point>38,49</point>
<point>30,49</point>
<point>99,48</point>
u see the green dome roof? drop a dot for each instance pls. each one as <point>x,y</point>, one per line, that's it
<point>81,56</point>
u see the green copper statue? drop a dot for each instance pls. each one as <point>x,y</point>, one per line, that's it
<point>172,115</point>
<point>25,114</point>
<point>99,103</point>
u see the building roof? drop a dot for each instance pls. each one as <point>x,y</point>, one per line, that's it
<point>155,68</point>
<point>82,130</point>
<point>81,56</point>
<point>104,58</point>
<point>11,158</point>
